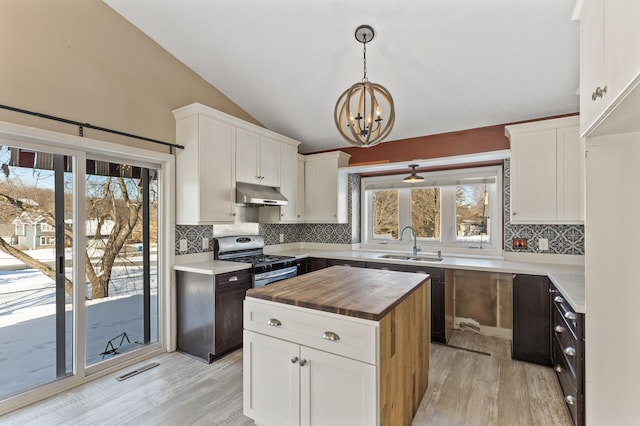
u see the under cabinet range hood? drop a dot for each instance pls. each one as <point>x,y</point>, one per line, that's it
<point>260,195</point>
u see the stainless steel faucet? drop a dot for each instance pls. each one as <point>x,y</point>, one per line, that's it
<point>416,249</point>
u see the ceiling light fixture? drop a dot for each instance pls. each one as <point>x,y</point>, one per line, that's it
<point>413,177</point>
<point>371,103</point>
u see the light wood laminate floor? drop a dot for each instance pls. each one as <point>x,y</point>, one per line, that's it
<point>465,388</point>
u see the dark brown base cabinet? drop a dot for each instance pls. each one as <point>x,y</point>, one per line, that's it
<point>568,354</point>
<point>531,319</point>
<point>441,323</point>
<point>441,302</point>
<point>209,310</point>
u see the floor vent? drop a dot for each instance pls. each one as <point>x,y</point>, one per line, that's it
<point>137,371</point>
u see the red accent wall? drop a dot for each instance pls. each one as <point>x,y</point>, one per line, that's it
<point>472,141</point>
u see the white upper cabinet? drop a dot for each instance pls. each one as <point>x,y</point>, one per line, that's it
<point>325,188</point>
<point>209,144</point>
<point>547,172</point>
<point>219,150</point>
<point>257,158</point>
<point>289,187</point>
<point>609,66</point>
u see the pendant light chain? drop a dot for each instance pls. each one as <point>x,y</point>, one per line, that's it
<point>364,59</point>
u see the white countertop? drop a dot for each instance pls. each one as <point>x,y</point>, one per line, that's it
<point>569,279</point>
<point>212,267</point>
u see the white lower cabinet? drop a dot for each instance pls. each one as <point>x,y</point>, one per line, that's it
<point>306,367</point>
<point>271,389</point>
<point>292,384</point>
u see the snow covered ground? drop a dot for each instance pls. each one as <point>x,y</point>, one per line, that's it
<point>27,324</point>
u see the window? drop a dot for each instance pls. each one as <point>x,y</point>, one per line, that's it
<point>20,230</point>
<point>47,241</point>
<point>452,211</point>
<point>45,227</point>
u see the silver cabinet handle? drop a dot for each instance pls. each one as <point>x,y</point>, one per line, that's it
<point>570,399</point>
<point>558,368</point>
<point>598,93</point>
<point>302,362</point>
<point>330,335</point>
<point>559,329</point>
<point>274,322</point>
<point>571,316</point>
<point>552,291</point>
<point>570,351</point>
<point>233,278</point>
<point>558,299</point>
<point>294,360</point>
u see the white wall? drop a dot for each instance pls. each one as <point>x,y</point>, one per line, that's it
<point>612,266</point>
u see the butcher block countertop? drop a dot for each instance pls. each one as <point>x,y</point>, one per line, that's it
<point>357,292</point>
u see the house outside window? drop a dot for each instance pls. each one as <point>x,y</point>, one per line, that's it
<point>452,211</point>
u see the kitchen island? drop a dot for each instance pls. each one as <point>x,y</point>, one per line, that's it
<point>339,346</point>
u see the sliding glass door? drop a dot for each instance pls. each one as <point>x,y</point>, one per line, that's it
<point>79,271</point>
<point>121,245</point>
<point>36,287</point>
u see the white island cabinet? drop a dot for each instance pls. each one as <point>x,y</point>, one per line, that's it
<point>293,383</point>
<point>359,357</point>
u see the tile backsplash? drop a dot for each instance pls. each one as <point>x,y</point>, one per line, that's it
<point>563,239</point>
<point>339,233</point>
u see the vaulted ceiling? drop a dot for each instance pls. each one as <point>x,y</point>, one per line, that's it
<point>449,64</point>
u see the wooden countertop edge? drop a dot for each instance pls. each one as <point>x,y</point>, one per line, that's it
<point>341,311</point>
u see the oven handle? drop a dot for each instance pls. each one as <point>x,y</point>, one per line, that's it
<point>274,275</point>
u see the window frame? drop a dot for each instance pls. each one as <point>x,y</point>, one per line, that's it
<point>447,181</point>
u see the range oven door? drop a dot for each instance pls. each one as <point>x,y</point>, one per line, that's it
<point>265,278</point>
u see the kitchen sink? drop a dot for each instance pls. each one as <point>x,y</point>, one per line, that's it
<point>410,257</point>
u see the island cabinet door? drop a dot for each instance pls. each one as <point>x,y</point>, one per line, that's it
<point>336,391</point>
<point>271,380</point>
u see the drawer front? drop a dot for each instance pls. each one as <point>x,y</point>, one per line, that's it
<point>569,346</point>
<point>233,279</point>
<point>339,262</point>
<point>338,334</point>
<point>574,320</point>
<point>567,383</point>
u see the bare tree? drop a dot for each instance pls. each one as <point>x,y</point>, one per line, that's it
<point>114,203</point>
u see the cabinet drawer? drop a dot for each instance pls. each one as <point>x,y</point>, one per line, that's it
<point>339,334</point>
<point>567,343</point>
<point>567,383</point>
<point>240,278</point>
<point>339,262</point>
<point>574,321</point>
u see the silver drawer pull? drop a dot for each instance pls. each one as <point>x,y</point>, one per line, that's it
<point>559,329</point>
<point>330,335</point>
<point>294,360</point>
<point>570,399</point>
<point>558,299</point>
<point>233,278</point>
<point>570,316</point>
<point>558,368</point>
<point>274,322</point>
<point>302,362</point>
<point>570,351</point>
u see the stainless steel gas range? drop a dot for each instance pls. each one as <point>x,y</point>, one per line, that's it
<point>250,249</point>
